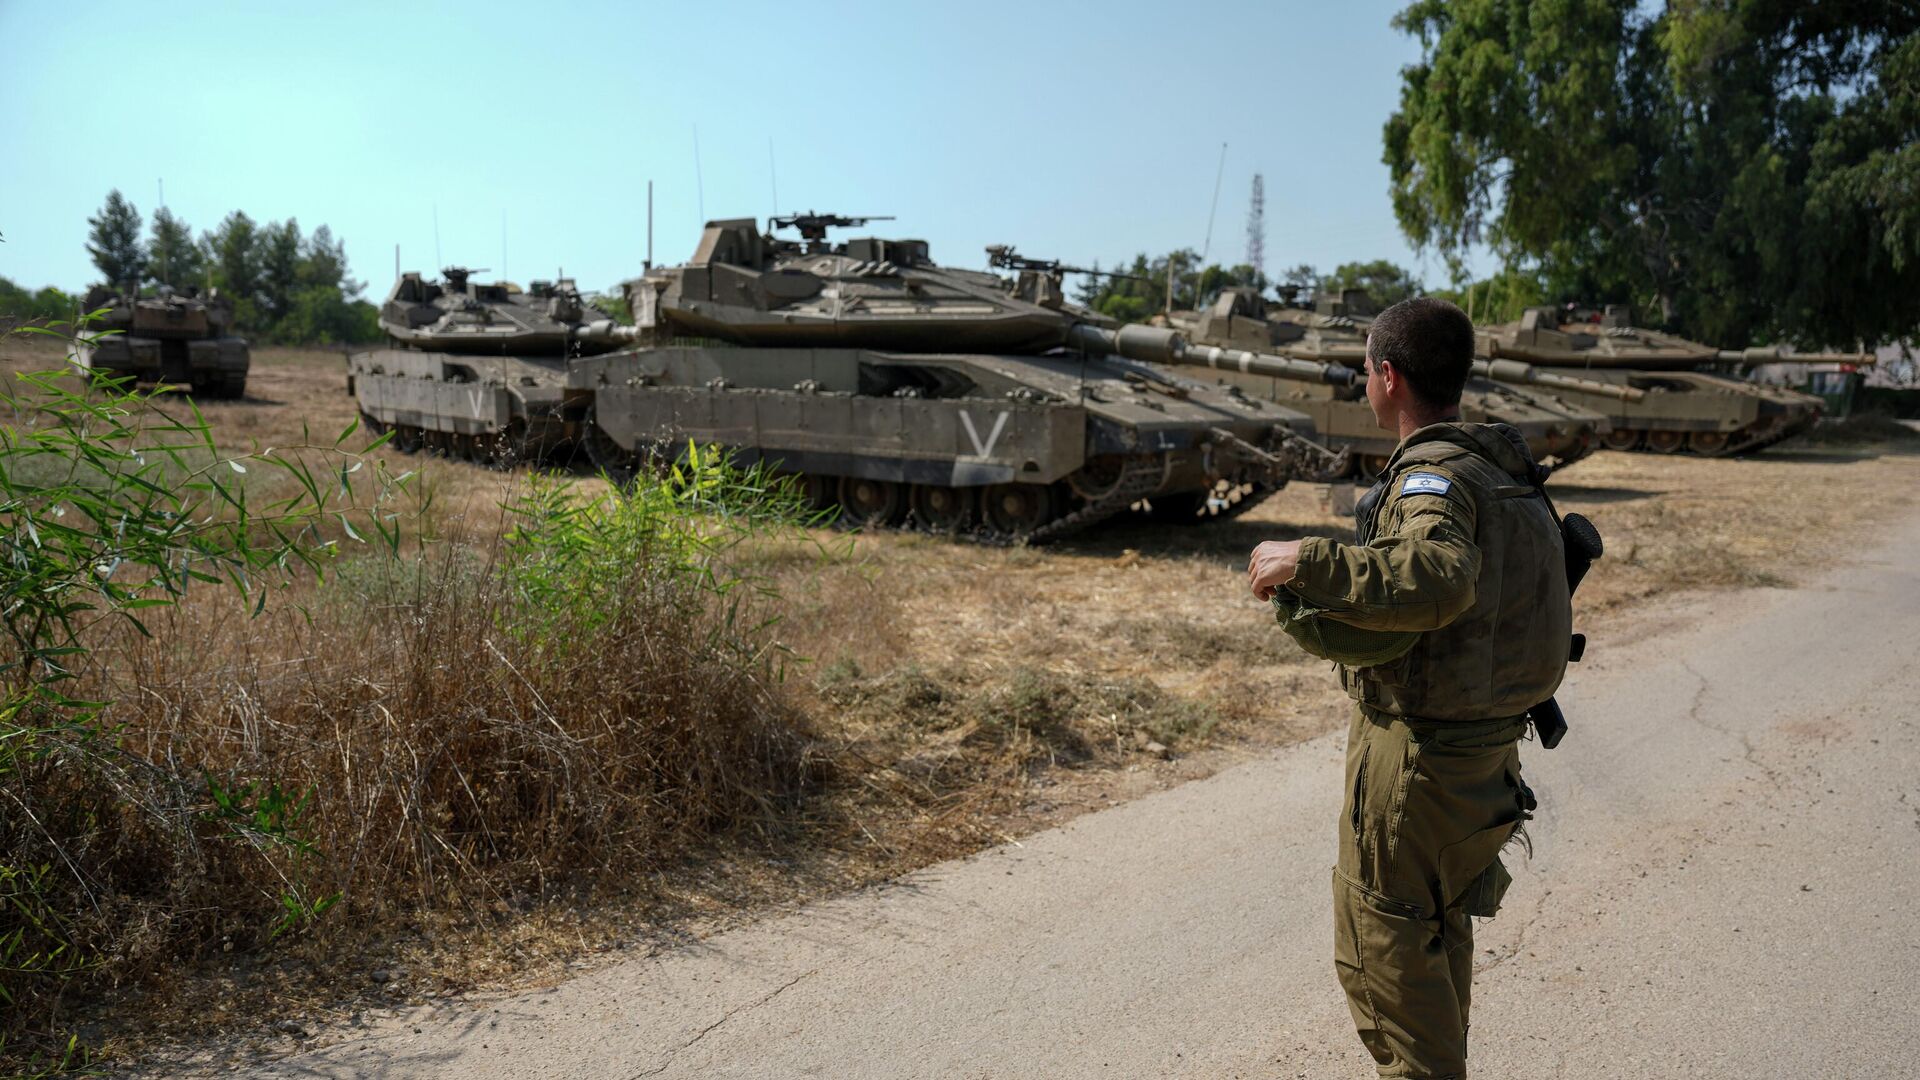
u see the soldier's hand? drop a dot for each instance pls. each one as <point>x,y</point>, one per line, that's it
<point>1273,564</point>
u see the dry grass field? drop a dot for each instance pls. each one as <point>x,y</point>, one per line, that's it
<point>959,694</point>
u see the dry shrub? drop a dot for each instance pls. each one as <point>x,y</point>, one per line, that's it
<point>597,694</point>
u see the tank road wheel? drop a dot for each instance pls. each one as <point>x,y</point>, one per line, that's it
<point>1016,510</point>
<point>821,492</point>
<point>1621,439</point>
<point>942,509</point>
<point>406,438</point>
<point>435,442</point>
<point>1666,442</point>
<point>619,463</point>
<point>868,503</point>
<point>1370,466</point>
<point>511,445</point>
<point>483,448</point>
<point>236,385</point>
<point>1709,443</point>
<point>372,425</point>
<point>460,446</point>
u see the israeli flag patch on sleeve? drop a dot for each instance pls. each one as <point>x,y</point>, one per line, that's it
<point>1425,483</point>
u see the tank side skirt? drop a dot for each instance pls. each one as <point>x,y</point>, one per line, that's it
<point>956,443</point>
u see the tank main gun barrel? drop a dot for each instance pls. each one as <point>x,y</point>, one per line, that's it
<point>1780,354</point>
<point>1350,353</point>
<point>603,332</point>
<point>1158,345</point>
<point>1517,371</point>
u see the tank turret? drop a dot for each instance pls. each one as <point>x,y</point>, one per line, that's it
<point>1608,339</point>
<point>458,315</point>
<point>176,336</point>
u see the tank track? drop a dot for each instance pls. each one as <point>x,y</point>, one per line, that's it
<point>1137,480</point>
<point>1752,443</point>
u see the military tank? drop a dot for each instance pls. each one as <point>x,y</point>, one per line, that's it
<point>906,392</point>
<point>1684,406</point>
<point>1333,330</point>
<point>478,371</point>
<point>175,336</point>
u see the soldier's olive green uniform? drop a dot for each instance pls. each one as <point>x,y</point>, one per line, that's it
<point>1461,547</point>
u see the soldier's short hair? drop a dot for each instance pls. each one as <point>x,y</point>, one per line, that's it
<point>1430,343</point>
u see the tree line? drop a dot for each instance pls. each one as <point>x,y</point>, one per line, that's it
<point>286,286</point>
<point>1139,289</point>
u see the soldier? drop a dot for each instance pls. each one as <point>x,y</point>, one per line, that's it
<point>1458,548</point>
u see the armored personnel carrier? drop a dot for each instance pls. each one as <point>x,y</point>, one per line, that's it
<point>478,371</point>
<point>1333,330</point>
<point>176,336</point>
<point>903,391</point>
<point>1684,406</point>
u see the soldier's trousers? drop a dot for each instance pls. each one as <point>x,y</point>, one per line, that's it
<point>1428,808</point>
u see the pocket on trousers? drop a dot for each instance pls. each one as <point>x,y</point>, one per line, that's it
<point>1359,793</point>
<point>1484,893</point>
<point>1464,862</point>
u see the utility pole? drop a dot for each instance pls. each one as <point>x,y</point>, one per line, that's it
<point>1257,228</point>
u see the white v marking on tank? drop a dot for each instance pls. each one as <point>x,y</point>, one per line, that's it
<point>999,425</point>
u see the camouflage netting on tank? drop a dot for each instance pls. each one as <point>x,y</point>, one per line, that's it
<point>1330,639</point>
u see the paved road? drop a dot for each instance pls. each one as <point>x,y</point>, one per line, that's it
<point>1724,884</point>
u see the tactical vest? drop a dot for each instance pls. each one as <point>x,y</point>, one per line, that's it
<point>1506,653</point>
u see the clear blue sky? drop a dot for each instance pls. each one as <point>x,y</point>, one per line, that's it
<point>1081,132</point>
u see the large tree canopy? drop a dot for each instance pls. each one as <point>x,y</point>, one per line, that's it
<point>1739,169</point>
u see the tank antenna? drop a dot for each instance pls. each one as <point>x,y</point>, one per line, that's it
<point>396,262</point>
<point>699,183</point>
<point>648,265</point>
<point>1218,172</point>
<point>436,235</point>
<point>1257,228</point>
<point>773,176</point>
<point>503,246</point>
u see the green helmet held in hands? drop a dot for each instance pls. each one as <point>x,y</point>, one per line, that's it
<point>1330,639</point>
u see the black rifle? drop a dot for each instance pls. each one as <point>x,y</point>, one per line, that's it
<point>1582,544</point>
